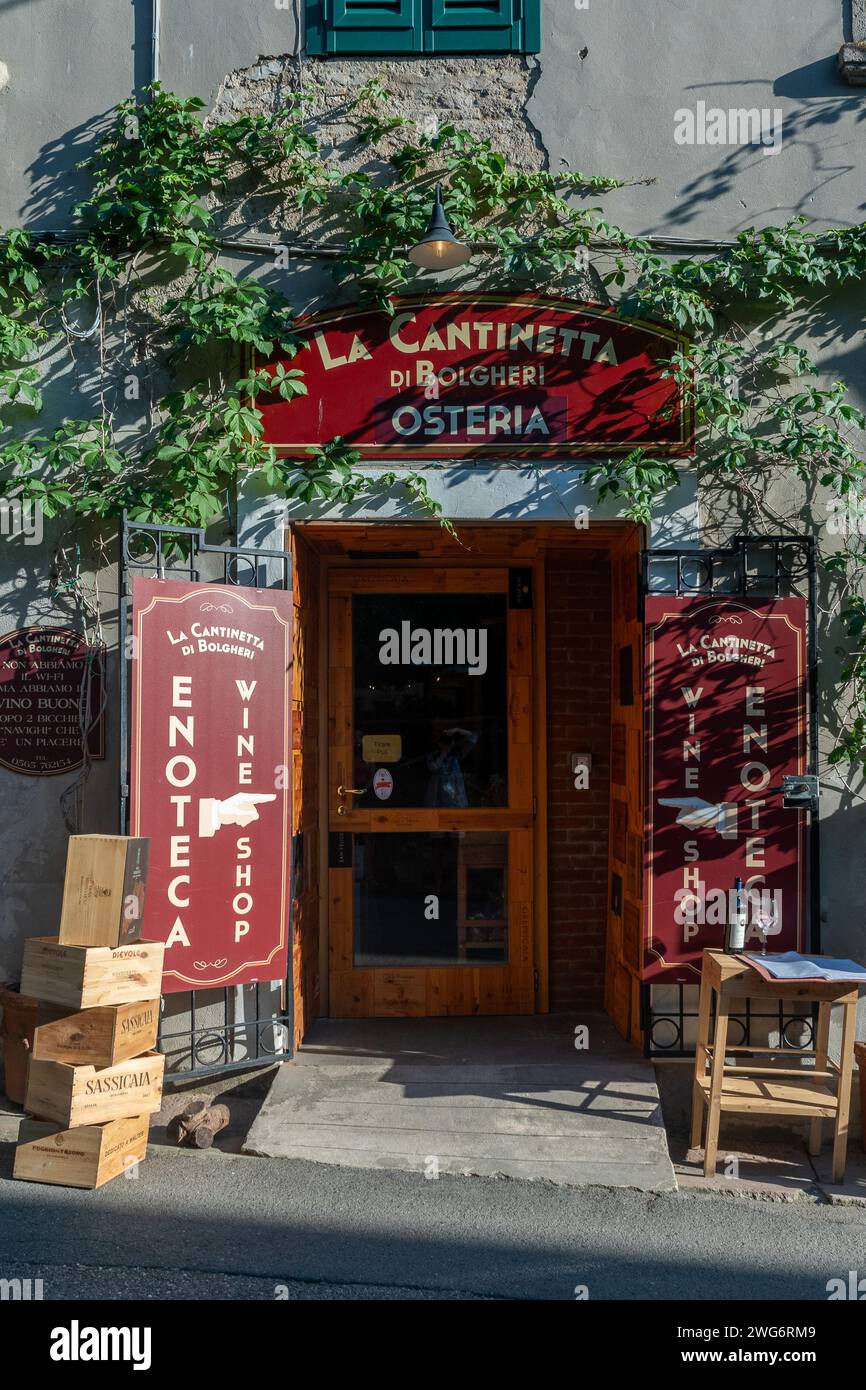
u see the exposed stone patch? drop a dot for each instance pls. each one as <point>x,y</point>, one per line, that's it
<point>486,96</point>
<point>852,63</point>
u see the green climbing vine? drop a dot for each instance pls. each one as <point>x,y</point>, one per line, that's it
<point>146,265</point>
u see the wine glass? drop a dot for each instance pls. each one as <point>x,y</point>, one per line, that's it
<point>767,919</point>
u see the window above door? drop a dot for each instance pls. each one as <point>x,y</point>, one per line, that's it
<point>422,26</point>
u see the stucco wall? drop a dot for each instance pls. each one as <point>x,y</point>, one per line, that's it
<point>603,97</point>
<point>604,93</point>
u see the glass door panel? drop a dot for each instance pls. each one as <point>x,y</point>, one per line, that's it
<point>430,700</point>
<point>431,900</point>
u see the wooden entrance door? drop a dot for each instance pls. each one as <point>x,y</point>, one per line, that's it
<point>430,793</point>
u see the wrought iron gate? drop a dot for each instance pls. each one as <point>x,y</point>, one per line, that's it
<point>780,566</point>
<point>233,1028</point>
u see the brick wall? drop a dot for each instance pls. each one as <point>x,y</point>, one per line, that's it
<point>578,721</point>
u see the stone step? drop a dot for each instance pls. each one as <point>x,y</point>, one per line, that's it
<point>471,1124</point>
<point>571,1123</point>
<point>653,1176</point>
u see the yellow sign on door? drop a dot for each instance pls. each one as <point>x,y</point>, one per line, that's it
<point>381,748</point>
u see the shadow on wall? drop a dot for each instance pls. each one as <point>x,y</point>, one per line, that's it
<point>55,183</point>
<point>843,876</point>
<point>36,581</point>
<point>827,101</point>
<point>142,44</point>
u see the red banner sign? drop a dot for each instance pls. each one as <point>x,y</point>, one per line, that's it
<point>211,781</point>
<point>461,375</point>
<point>726,709</point>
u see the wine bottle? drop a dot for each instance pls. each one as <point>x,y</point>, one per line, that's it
<point>735,935</point>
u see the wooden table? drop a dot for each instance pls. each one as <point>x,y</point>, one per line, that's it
<point>820,1094</point>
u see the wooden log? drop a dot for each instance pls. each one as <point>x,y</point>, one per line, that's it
<point>196,1126</point>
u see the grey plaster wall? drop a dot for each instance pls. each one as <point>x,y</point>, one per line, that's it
<point>475,493</point>
<point>68,62</point>
<point>604,97</point>
<point>614,111</point>
<point>204,40</point>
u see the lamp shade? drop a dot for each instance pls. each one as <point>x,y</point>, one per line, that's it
<point>439,249</point>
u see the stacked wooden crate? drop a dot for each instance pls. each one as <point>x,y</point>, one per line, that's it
<point>94,1079</point>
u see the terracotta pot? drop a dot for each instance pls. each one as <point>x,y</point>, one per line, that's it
<point>16,1029</point>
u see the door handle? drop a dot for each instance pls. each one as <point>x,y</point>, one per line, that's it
<point>343,792</point>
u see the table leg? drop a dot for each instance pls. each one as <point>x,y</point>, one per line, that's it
<point>843,1104</point>
<point>704,1003</point>
<point>822,1039</point>
<point>714,1108</point>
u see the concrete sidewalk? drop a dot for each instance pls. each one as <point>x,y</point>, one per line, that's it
<point>494,1097</point>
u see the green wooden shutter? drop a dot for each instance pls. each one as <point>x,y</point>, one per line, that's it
<point>364,26</point>
<point>478,26</point>
<point>416,26</point>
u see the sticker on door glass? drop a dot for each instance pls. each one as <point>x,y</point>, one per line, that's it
<point>381,748</point>
<point>383,783</point>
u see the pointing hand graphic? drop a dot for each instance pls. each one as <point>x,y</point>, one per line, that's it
<point>239,809</point>
<point>697,814</point>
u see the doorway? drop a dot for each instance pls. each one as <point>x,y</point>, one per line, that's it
<point>431,791</point>
<point>399,904</point>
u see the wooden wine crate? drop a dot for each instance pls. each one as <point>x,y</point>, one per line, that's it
<point>96,1037</point>
<point>104,890</point>
<point>84,977</point>
<point>90,1095</point>
<point>85,1157</point>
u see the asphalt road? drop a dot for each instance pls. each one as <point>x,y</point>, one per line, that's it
<point>212,1225</point>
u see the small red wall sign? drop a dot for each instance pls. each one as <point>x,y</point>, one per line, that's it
<point>726,719</point>
<point>211,780</point>
<point>467,375</point>
<point>51,700</point>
